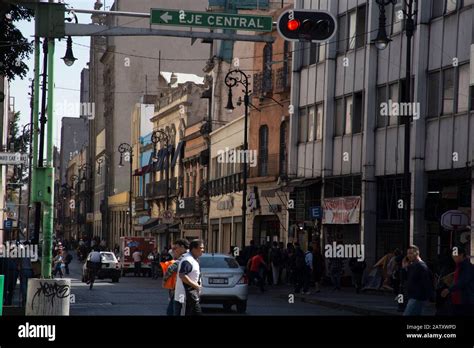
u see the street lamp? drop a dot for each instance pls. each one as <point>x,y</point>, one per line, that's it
<point>99,161</point>
<point>69,58</point>
<point>382,40</point>
<point>232,79</point>
<point>124,148</point>
<point>409,15</point>
<point>159,136</point>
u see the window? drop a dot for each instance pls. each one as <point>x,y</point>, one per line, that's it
<point>463,88</point>
<point>433,94</point>
<point>357,117</point>
<point>360,28</point>
<point>339,119</point>
<point>311,123</point>
<point>348,116</point>
<point>319,121</point>
<point>438,8</point>
<point>267,67</point>
<point>381,98</point>
<point>397,16</point>
<point>342,34</point>
<point>263,151</point>
<point>310,53</point>
<point>303,124</point>
<point>193,188</point>
<point>395,98</point>
<point>451,5</point>
<point>352,29</point>
<point>188,186</point>
<point>283,151</point>
<point>448,91</point>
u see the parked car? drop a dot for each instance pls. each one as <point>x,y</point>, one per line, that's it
<point>110,267</point>
<point>223,282</point>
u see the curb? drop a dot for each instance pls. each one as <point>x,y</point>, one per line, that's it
<point>335,305</point>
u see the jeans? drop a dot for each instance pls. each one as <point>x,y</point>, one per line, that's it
<point>414,307</point>
<point>255,276</point>
<point>170,309</point>
<point>275,274</point>
<point>336,281</point>
<point>302,280</point>
<point>193,306</point>
<point>137,270</point>
<point>24,276</point>
<point>178,307</point>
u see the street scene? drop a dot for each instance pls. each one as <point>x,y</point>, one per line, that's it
<point>237,158</point>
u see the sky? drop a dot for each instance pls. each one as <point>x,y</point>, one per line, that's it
<point>67,79</point>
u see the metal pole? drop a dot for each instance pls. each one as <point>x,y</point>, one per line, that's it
<point>130,192</point>
<point>406,169</point>
<point>30,157</point>
<point>167,174</point>
<point>19,199</point>
<point>48,218</point>
<point>244,195</point>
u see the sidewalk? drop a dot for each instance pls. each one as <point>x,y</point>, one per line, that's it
<point>365,303</point>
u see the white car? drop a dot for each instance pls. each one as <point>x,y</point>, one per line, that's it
<point>110,267</point>
<point>223,282</point>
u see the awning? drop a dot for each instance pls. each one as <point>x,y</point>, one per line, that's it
<point>299,183</point>
<point>161,228</point>
<point>150,223</point>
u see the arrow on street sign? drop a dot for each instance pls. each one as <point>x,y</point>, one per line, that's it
<point>166,17</point>
<point>210,20</point>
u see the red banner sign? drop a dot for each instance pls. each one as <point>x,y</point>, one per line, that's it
<point>341,210</point>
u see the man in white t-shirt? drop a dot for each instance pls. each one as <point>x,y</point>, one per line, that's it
<point>188,283</point>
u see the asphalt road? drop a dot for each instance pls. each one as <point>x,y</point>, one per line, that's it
<point>145,296</point>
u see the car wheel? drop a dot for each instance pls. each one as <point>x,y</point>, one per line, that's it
<point>227,307</point>
<point>241,307</point>
<point>115,280</point>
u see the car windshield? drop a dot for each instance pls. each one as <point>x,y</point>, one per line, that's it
<point>218,262</point>
<point>108,257</point>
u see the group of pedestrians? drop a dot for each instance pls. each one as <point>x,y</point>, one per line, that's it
<point>182,278</point>
<point>276,265</point>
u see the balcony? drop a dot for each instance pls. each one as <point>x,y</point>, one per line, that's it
<point>282,80</point>
<point>139,203</point>
<point>192,207</point>
<point>270,167</point>
<point>226,184</point>
<point>157,189</point>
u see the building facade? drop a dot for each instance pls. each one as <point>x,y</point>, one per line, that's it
<point>351,154</point>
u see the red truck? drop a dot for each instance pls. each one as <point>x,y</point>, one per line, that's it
<point>128,245</point>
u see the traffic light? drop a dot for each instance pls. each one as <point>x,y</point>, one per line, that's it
<point>307,25</point>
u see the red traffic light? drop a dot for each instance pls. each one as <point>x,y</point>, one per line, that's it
<point>293,24</point>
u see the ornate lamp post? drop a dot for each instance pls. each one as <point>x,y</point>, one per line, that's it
<point>127,148</point>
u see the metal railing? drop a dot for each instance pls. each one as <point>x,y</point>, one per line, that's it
<point>191,206</point>
<point>226,184</point>
<point>157,189</point>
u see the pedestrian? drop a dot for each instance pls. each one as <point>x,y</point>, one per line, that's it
<point>319,267</point>
<point>170,271</point>
<point>282,274</point>
<point>462,289</point>
<point>257,268</point>
<point>290,258</point>
<point>357,268</point>
<point>154,258</point>
<point>67,260</point>
<point>300,270</point>
<point>392,269</point>
<point>336,269</point>
<point>165,255</point>
<point>11,279</point>
<point>276,262</point>
<point>249,252</point>
<point>137,261</point>
<point>188,283</point>
<point>58,265</point>
<point>26,272</point>
<point>419,283</point>
<point>308,271</point>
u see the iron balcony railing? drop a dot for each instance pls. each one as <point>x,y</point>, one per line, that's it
<point>157,189</point>
<point>226,184</point>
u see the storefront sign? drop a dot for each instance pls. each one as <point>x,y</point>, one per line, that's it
<point>316,212</point>
<point>90,217</point>
<point>341,210</point>
<point>195,226</point>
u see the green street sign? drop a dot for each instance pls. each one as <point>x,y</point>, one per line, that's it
<point>212,20</point>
